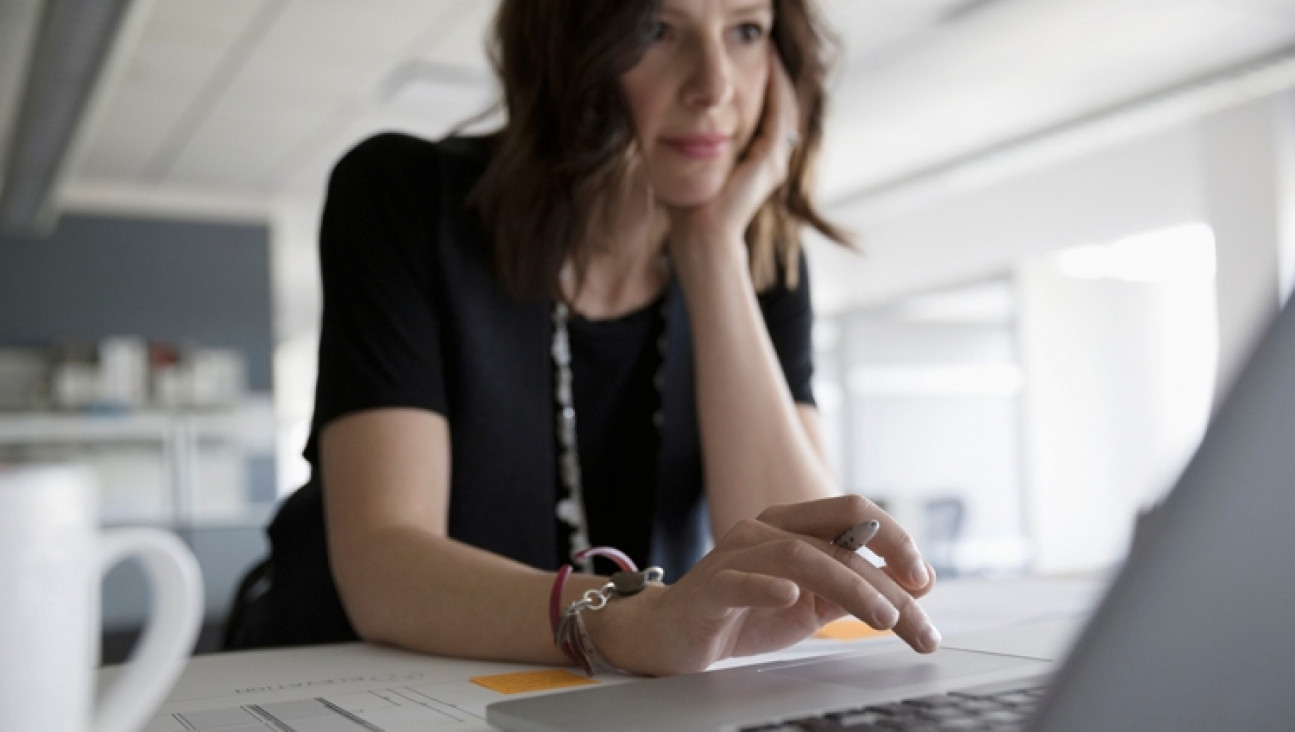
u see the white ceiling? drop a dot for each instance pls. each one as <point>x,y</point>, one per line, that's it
<point>1018,66</point>
<point>242,101</point>
<point>233,105</point>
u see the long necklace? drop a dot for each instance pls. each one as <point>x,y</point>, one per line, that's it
<point>571,507</point>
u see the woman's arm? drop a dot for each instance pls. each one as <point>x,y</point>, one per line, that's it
<point>756,448</point>
<point>813,429</point>
<point>758,444</point>
<point>402,580</point>
<point>767,584</point>
<point>759,450</point>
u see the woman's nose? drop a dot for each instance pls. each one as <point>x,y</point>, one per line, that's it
<point>710,80</point>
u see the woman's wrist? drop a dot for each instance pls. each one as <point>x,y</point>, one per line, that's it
<point>625,633</point>
<point>700,263</point>
<point>572,610</point>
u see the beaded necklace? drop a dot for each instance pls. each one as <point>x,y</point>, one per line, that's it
<point>570,508</point>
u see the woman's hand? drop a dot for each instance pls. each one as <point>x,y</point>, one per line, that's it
<point>718,226</point>
<point>771,582</point>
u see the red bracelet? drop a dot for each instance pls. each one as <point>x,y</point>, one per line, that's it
<point>555,595</point>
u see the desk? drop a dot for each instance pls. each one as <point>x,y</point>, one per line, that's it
<point>357,686</point>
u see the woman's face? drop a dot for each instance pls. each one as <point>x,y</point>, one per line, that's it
<point>696,95</point>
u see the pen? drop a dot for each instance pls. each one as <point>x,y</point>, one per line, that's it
<point>855,537</point>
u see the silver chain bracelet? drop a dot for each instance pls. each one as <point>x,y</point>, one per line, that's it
<point>571,635</point>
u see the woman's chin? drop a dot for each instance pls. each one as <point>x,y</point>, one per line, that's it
<point>690,194</point>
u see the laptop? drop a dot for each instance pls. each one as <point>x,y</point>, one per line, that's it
<point>1196,632</point>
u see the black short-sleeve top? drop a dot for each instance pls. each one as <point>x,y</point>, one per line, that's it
<point>414,317</point>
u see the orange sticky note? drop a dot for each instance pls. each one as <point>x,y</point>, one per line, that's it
<point>520,683</point>
<point>847,629</point>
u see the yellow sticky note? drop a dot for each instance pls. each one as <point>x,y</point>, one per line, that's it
<point>520,683</point>
<point>847,629</point>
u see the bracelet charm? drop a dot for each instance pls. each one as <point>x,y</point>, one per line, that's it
<point>632,583</point>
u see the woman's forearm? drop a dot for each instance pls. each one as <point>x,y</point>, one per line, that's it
<point>409,588</point>
<point>401,579</point>
<point>757,451</point>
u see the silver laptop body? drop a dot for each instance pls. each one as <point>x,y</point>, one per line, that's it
<point>1197,632</point>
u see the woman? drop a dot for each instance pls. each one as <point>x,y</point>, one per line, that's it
<point>590,328</point>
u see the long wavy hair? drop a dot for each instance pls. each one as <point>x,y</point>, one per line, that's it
<point>569,139</point>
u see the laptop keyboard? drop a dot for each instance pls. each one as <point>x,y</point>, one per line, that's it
<point>997,707</point>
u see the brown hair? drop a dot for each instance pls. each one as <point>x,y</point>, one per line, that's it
<point>569,138</point>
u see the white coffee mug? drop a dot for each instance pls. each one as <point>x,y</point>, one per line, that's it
<point>52,560</point>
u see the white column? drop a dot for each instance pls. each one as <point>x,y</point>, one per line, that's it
<point>297,302</point>
<point>1116,395</point>
<point>1244,167</point>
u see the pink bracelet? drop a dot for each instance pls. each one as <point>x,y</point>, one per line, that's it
<point>560,582</point>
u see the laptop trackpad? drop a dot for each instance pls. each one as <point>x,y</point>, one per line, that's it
<point>901,668</point>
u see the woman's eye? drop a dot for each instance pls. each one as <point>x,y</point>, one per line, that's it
<point>749,32</point>
<point>658,31</point>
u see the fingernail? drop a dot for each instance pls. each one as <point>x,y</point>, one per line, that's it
<point>918,574</point>
<point>929,638</point>
<point>886,617</point>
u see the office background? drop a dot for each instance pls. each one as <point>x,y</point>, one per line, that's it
<point>1074,217</point>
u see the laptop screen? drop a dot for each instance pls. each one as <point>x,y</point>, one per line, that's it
<point>1198,630</point>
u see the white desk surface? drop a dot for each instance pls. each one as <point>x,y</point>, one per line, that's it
<point>357,686</point>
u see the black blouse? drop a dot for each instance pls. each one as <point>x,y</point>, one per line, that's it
<point>414,317</point>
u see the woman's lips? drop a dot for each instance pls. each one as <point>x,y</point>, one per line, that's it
<point>699,147</point>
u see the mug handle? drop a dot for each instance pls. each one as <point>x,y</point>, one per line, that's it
<point>174,619</point>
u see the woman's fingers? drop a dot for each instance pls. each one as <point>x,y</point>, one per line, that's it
<point>824,516</point>
<point>792,558</point>
<point>915,592</point>
<point>759,565</point>
<point>788,108</point>
<point>850,581</point>
<point>768,156</point>
<point>827,518</point>
<point>912,623</point>
<point>780,122</point>
<point>731,588</point>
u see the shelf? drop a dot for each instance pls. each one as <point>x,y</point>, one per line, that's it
<point>180,439</point>
<point>253,425</point>
<point>42,428</point>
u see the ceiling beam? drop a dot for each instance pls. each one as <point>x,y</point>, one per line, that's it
<point>1269,74</point>
<point>73,42</point>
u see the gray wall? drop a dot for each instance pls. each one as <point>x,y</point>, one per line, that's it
<point>202,283</point>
